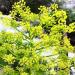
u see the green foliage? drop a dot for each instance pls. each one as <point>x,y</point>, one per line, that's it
<point>22,52</point>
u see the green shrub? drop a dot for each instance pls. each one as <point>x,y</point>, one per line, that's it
<point>22,54</point>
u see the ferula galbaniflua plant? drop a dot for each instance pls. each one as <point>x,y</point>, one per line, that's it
<point>39,45</point>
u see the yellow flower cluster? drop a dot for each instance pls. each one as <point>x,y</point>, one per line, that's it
<point>10,59</point>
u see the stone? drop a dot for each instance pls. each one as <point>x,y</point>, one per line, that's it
<point>35,4</point>
<point>6,6</point>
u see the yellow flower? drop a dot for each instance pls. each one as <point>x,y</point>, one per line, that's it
<point>61,14</point>
<point>9,58</point>
<point>23,73</point>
